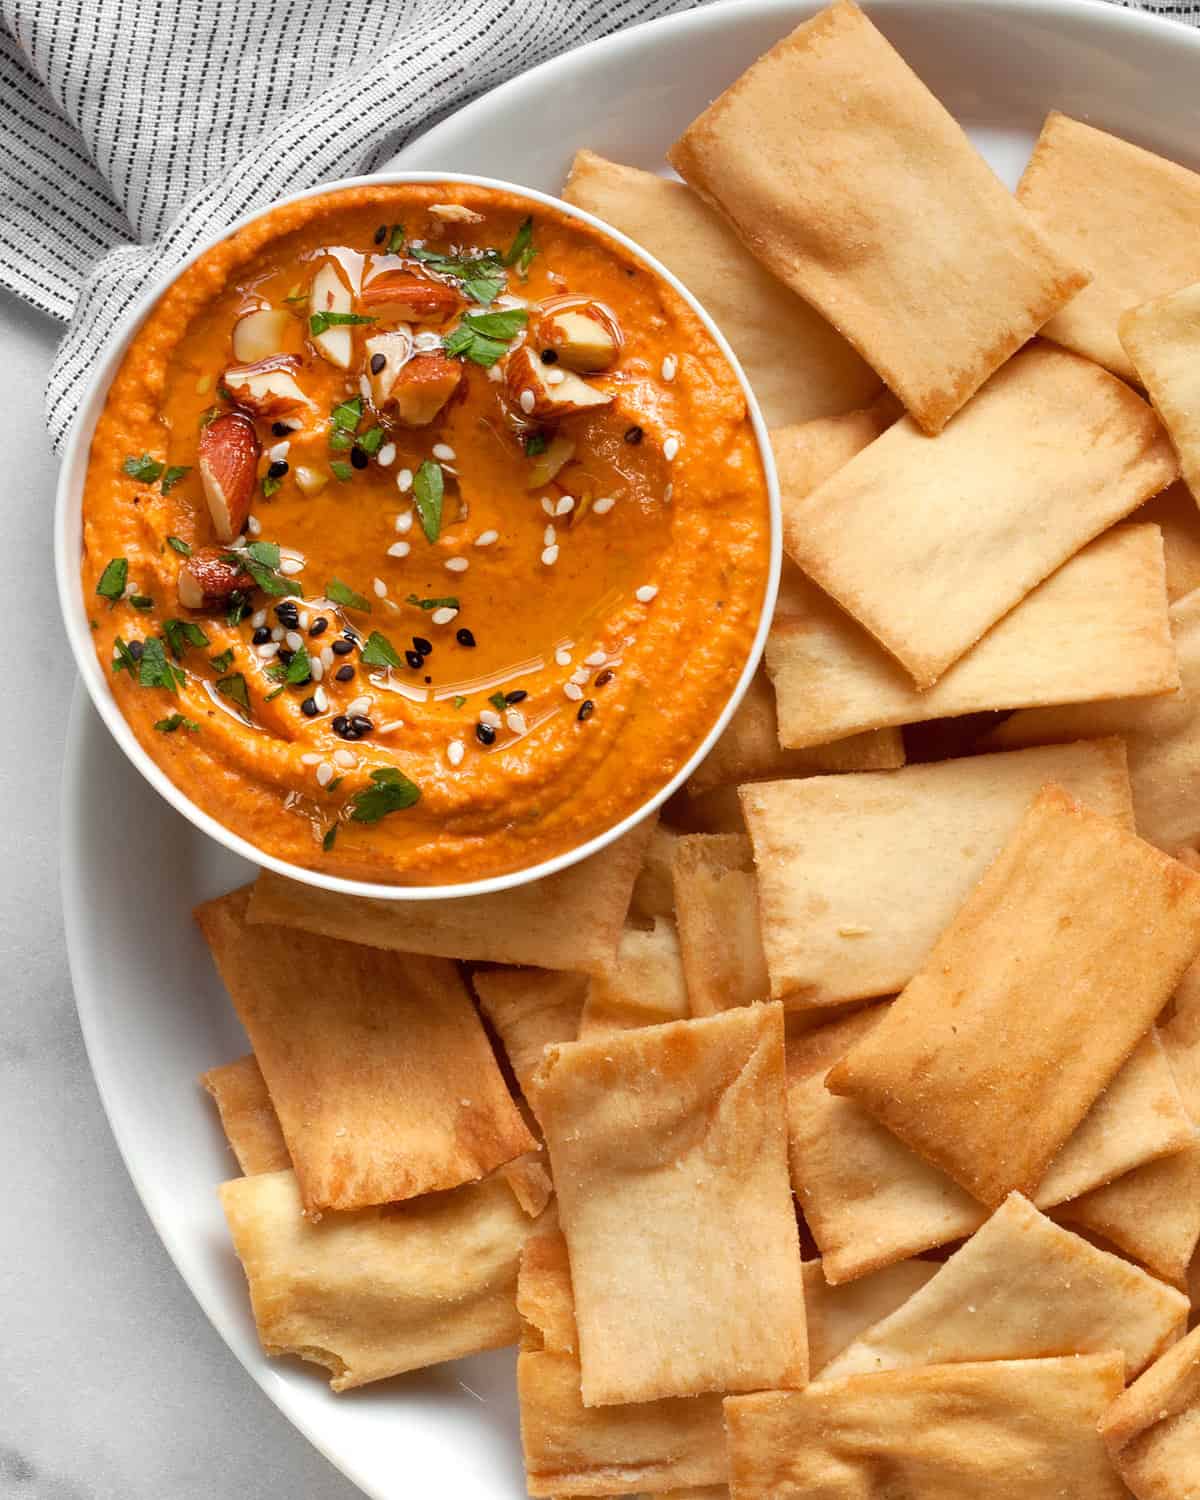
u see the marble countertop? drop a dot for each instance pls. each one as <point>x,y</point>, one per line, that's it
<point>113,1386</point>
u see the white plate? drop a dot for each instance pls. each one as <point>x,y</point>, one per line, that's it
<point>153,1014</point>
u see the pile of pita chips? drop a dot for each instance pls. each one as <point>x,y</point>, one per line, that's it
<point>838,1134</point>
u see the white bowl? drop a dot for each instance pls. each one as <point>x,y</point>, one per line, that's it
<point>68,543</point>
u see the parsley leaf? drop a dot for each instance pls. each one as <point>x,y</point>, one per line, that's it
<point>342,593</point>
<point>481,276</point>
<point>340,438</point>
<point>275,692</point>
<point>372,440</point>
<point>181,634</point>
<point>269,485</point>
<point>224,661</point>
<point>347,414</point>
<point>459,701</point>
<point>535,443</point>
<point>392,792</point>
<point>334,784</point>
<point>183,548</point>
<point>330,835</point>
<point>521,252</point>
<point>141,601</point>
<point>234,688</point>
<point>176,721</point>
<point>450,602</point>
<point>483,338</point>
<point>146,469</point>
<point>154,670</point>
<point>239,608</point>
<point>396,239</point>
<point>428,487</point>
<point>113,579</point>
<point>498,702</point>
<point>124,661</point>
<point>379,652</point>
<point>299,669</point>
<point>261,561</point>
<point>319,321</point>
<point>173,475</point>
<point>341,470</point>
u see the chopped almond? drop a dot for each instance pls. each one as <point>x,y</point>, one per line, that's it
<point>559,450</point>
<point>387,354</point>
<point>267,388</point>
<point>423,387</point>
<point>228,462</point>
<point>330,294</point>
<point>259,335</point>
<point>546,391</point>
<point>455,213</point>
<point>583,338</point>
<point>411,299</point>
<point>208,578</point>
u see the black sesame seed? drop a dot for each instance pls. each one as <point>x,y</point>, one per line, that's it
<point>604,678</point>
<point>429,679</point>
<point>309,708</point>
<point>319,626</point>
<point>362,724</point>
<point>377,363</point>
<point>464,637</point>
<point>281,429</point>
<point>287,614</point>
<point>135,649</point>
<point>342,648</point>
<point>485,734</point>
<point>422,645</point>
<point>285,656</point>
<point>549,356</point>
<point>277,470</point>
<point>586,709</point>
<point>358,458</point>
<point>518,695</point>
<point>345,674</point>
<point>261,636</point>
<point>381,234</point>
<point>634,434</point>
<point>415,660</point>
<point>341,724</point>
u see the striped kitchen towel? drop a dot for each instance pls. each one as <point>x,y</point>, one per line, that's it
<point>134,128</point>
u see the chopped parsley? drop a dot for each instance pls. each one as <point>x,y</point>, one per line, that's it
<point>173,475</point>
<point>535,443</point>
<point>481,276</point>
<point>183,548</point>
<point>449,602</point>
<point>299,669</point>
<point>113,579</point>
<point>396,239</point>
<point>341,470</point>
<point>154,670</point>
<point>459,701</point>
<point>392,792</point>
<point>141,601</point>
<point>428,488</point>
<point>341,438</point>
<point>234,688</point>
<point>342,593</point>
<point>124,661</point>
<point>146,469</point>
<point>261,561</point>
<point>521,252</point>
<point>319,321</point>
<point>347,414</point>
<point>372,440</point>
<point>176,721</point>
<point>498,702</point>
<point>223,662</point>
<point>275,692</point>
<point>239,608</point>
<point>181,634</point>
<point>330,835</point>
<point>483,338</point>
<point>269,485</point>
<point>379,652</point>
<point>335,783</point>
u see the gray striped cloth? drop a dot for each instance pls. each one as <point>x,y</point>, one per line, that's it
<point>135,128</point>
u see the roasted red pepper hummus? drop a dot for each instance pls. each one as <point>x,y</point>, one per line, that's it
<point>424,536</point>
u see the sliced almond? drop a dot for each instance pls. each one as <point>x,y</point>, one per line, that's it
<point>208,578</point>
<point>330,294</point>
<point>559,451</point>
<point>584,338</point>
<point>540,390</point>
<point>423,387</point>
<point>258,335</point>
<point>387,354</point>
<point>411,299</point>
<point>267,388</point>
<point>228,463</point>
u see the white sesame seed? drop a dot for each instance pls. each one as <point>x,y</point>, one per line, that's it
<point>528,401</point>
<point>548,505</point>
<point>254,526</point>
<point>278,633</point>
<point>310,760</point>
<point>291,566</point>
<point>326,657</point>
<point>294,640</point>
<point>279,452</point>
<point>399,549</point>
<point>324,773</point>
<point>457,564</point>
<point>562,657</point>
<point>595,659</point>
<point>565,506</point>
<point>359,706</point>
<point>404,521</point>
<point>573,691</point>
<point>443,616</point>
<point>404,480</point>
<point>668,493</point>
<point>604,505</point>
<point>302,617</point>
<point>550,556</point>
<point>554,377</point>
<point>386,455</point>
<point>345,758</point>
<point>580,675</point>
<point>489,717</point>
<point>444,453</point>
<point>669,366</point>
<point>268,650</point>
<point>258,618</point>
<point>486,538</point>
<point>455,751</point>
<point>515,720</point>
<point>380,588</point>
<point>495,373</point>
<point>670,448</point>
<point>645,593</point>
<point>321,699</point>
<point>316,668</point>
<point>548,537</point>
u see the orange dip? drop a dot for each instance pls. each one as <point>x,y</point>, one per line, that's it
<point>544,438</point>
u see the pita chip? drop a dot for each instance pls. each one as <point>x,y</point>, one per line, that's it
<point>1152,1430</point>
<point>1098,628</point>
<point>645,987</point>
<point>1007,1429</point>
<point>528,1009</point>
<point>1177,516</point>
<point>839,169</point>
<point>570,920</point>
<point>838,1314</point>
<point>379,1069</point>
<point>799,366</point>
<point>1163,340</point>
<point>1125,214</point>
<point>1031,1000</point>
<point>809,453</point>
<point>859,875</point>
<point>716,899</point>
<point>652,892</point>
<point>248,1117</point>
<point>1023,1288</point>
<point>927,543</point>
<point>1162,737</point>
<point>668,1148</point>
<point>376,1292</point>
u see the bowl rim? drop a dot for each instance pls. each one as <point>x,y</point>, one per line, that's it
<point>73,609</point>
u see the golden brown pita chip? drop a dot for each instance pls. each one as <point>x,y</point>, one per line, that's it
<point>646,986</point>
<point>749,749</point>
<point>870,1201</point>
<point>716,897</point>
<point>571,920</point>
<point>668,1147</point>
<point>809,453</point>
<point>847,178</point>
<point>1163,340</point>
<point>653,895</point>
<point>1097,628</point>
<point>859,875</point>
<point>1177,516</point>
<point>838,1314</point>
<point>247,1116</point>
<point>798,365</point>
<point>1127,215</point>
<point>1152,1430</point>
<point>1023,1288</point>
<point>1162,736</point>
<point>1031,1000</point>
<point>377,1064</point>
<point>382,1290</point>
<point>529,1008</point>
<point>1008,1429</point>
<point>927,543</point>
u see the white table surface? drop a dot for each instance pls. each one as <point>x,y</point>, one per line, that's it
<point>113,1386</point>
